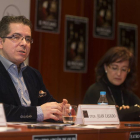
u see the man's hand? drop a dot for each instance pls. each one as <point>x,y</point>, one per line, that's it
<point>52,110</point>
<point>64,103</point>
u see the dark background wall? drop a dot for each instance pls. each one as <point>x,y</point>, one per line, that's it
<point>47,52</point>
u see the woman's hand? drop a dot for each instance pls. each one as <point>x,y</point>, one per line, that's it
<point>124,107</point>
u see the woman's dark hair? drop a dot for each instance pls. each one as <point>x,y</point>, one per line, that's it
<point>118,54</point>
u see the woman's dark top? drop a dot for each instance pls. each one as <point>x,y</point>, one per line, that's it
<point>116,95</point>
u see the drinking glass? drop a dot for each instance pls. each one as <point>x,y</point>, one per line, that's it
<point>69,114</point>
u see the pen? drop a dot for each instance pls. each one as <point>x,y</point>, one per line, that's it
<point>132,125</point>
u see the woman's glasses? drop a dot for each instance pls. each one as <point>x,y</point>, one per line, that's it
<point>116,69</point>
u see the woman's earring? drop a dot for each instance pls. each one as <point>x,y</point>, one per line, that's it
<point>106,71</point>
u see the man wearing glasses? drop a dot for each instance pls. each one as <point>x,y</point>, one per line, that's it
<point>22,92</point>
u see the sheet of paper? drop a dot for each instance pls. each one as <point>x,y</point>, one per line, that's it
<point>3,129</point>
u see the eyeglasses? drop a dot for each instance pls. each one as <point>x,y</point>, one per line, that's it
<point>116,69</point>
<point>18,38</point>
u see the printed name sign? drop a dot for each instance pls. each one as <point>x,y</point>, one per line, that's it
<point>134,135</point>
<point>97,114</point>
<point>55,137</point>
<point>2,116</point>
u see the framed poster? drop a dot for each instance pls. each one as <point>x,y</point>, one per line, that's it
<point>47,15</point>
<point>76,36</point>
<point>104,19</point>
<point>127,36</point>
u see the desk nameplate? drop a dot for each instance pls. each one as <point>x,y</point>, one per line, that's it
<point>97,114</point>
<point>2,116</point>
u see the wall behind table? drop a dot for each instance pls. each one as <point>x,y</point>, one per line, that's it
<point>47,53</point>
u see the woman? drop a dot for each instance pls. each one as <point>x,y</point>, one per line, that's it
<point>116,74</point>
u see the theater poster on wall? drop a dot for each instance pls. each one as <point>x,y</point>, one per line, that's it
<point>127,36</point>
<point>104,19</point>
<point>76,40</point>
<point>47,17</point>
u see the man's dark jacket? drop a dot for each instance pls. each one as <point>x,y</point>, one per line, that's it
<point>9,97</point>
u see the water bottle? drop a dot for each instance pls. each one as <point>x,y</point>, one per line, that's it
<point>102,100</point>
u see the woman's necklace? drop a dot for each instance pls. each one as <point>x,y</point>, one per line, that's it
<point>112,94</point>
